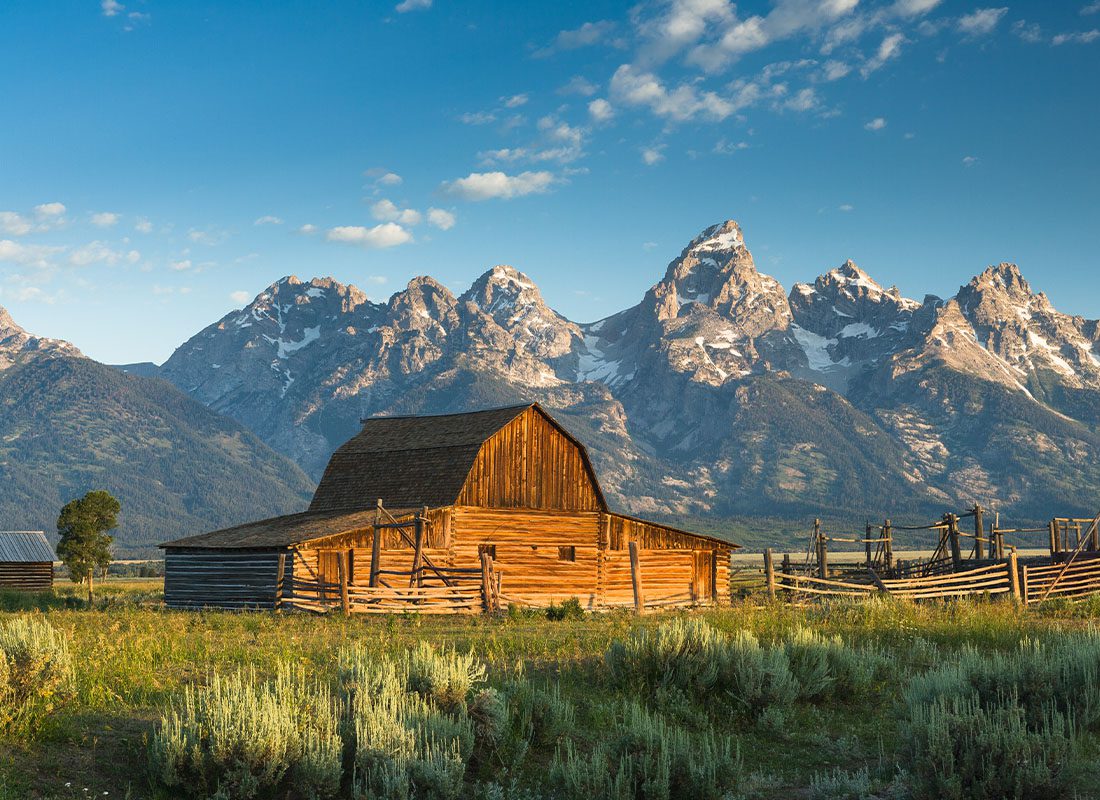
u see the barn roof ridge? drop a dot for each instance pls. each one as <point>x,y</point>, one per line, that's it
<point>516,407</point>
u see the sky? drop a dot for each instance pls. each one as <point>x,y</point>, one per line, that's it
<point>161,163</point>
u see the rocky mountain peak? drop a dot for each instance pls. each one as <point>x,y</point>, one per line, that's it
<point>725,236</point>
<point>502,290</point>
<point>16,343</point>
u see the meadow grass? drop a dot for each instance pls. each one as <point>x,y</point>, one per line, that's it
<point>843,725</point>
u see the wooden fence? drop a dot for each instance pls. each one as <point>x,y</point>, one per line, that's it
<point>1071,580</point>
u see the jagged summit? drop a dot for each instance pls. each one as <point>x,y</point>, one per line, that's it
<point>723,236</point>
<point>16,344</point>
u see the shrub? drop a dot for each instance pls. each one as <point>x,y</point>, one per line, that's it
<point>444,677</point>
<point>239,738</point>
<point>841,785</point>
<point>569,609</point>
<point>825,665</point>
<point>959,749</point>
<point>682,654</point>
<point>755,677</point>
<point>646,759</point>
<point>36,673</point>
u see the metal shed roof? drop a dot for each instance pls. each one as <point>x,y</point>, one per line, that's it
<point>25,547</point>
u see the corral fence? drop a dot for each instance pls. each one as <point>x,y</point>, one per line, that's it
<point>1071,571</point>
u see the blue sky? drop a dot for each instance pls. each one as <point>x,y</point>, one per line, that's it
<point>162,162</point>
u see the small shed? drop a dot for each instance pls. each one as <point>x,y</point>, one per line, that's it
<point>26,560</point>
<point>419,505</point>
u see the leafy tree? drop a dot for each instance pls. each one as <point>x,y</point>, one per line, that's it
<point>85,545</point>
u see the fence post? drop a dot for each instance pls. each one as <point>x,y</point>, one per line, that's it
<point>342,572</point>
<point>867,544</point>
<point>888,545</point>
<point>418,527</point>
<point>998,536</point>
<point>375,546</point>
<point>769,573</point>
<point>279,581</point>
<point>953,534</point>
<point>636,578</point>
<point>979,532</point>
<point>486,582</point>
<point>786,567</point>
<point>1014,577</point>
<point>822,552</point>
<point>1024,588</point>
<point>1054,537</point>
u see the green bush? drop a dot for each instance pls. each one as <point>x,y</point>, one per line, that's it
<point>841,785</point>
<point>444,677</point>
<point>755,677</point>
<point>36,673</point>
<point>683,654</point>
<point>959,749</point>
<point>645,758</point>
<point>239,738</point>
<point>569,609</point>
<point>826,666</point>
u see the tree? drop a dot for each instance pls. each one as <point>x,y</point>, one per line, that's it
<point>85,545</point>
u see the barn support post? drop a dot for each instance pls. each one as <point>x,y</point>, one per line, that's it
<point>279,581</point>
<point>1014,576</point>
<point>979,532</point>
<point>769,573</point>
<point>376,544</point>
<point>636,578</point>
<point>714,577</point>
<point>342,573</point>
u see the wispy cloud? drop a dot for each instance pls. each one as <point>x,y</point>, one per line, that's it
<point>268,219</point>
<point>588,34</point>
<point>579,85</point>
<point>969,161</point>
<point>240,297</point>
<point>1077,37</point>
<point>478,186</point>
<point>653,155</point>
<point>515,101</point>
<point>111,8</point>
<point>105,219</point>
<point>406,6</point>
<point>981,22</point>
<point>888,49</point>
<point>877,124</point>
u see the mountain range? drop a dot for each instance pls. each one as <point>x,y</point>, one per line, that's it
<point>719,395</point>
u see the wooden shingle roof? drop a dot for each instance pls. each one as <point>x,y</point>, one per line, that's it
<point>284,531</point>
<point>408,461</point>
<point>25,547</point>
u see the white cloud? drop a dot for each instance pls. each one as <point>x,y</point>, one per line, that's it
<point>268,219</point>
<point>724,147</point>
<point>588,34</point>
<point>914,8</point>
<point>111,8</point>
<point>835,70</point>
<point>143,225</point>
<point>1079,37</point>
<point>969,161</point>
<point>579,85</point>
<point>684,102</point>
<point>209,237</point>
<point>1091,8</point>
<point>600,110</point>
<point>846,207</point>
<point>241,297</point>
<point>515,101</point>
<point>803,100</point>
<point>49,210</point>
<point>38,256</point>
<point>412,5</point>
<point>105,219</point>
<point>877,124</point>
<point>477,118</point>
<point>15,224</point>
<point>441,218</point>
<point>98,252</point>
<point>391,179</point>
<point>889,49</point>
<point>377,279</point>
<point>1028,31</point>
<point>181,265</point>
<point>388,234</point>
<point>648,245</point>
<point>308,229</point>
<point>387,211</point>
<point>653,155</point>
<point>479,186</point>
<point>980,22</point>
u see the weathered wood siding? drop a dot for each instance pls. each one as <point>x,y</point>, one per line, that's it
<point>202,578</point>
<point>530,463</point>
<point>26,575</point>
<point>527,551</point>
<point>675,566</point>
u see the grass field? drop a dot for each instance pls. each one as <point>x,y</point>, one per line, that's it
<point>132,658</point>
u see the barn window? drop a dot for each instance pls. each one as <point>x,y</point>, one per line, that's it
<point>567,553</point>
<point>487,550</point>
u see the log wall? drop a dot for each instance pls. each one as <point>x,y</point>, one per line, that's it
<point>203,578</point>
<point>526,545</point>
<point>26,575</point>
<point>530,463</point>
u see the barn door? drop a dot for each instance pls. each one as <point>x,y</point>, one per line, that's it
<point>328,573</point>
<point>702,575</point>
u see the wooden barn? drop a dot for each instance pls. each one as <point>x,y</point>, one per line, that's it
<point>456,512</point>
<point>26,560</point>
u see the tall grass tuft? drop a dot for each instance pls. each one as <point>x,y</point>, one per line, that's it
<point>646,758</point>
<point>239,738</point>
<point>36,673</point>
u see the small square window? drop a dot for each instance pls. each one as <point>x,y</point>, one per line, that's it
<point>567,553</point>
<point>488,550</point>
